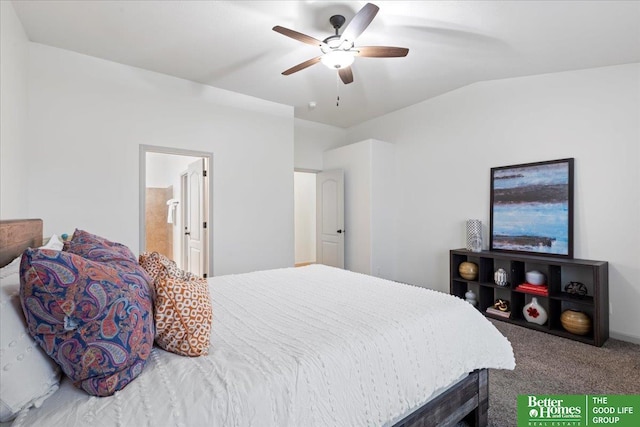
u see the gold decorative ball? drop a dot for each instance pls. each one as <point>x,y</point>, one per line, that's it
<point>575,322</point>
<point>468,270</point>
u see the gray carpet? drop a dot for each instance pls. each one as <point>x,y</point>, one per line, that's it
<point>546,364</point>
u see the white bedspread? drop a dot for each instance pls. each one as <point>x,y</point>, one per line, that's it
<point>311,346</point>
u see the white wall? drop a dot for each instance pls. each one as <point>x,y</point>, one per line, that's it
<point>90,116</point>
<point>311,140</point>
<point>305,216</point>
<point>369,207</point>
<point>446,146</point>
<point>14,161</point>
<point>383,208</point>
<point>355,160</point>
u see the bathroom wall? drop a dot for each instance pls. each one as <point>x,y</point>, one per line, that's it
<point>159,236</point>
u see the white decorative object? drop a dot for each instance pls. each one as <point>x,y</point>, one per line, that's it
<point>474,235</point>
<point>500,277</point>
<point>534,277</point>
<point>470,297</point>
<point>534,312</point>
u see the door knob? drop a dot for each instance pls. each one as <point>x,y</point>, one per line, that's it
<point>340,231</point>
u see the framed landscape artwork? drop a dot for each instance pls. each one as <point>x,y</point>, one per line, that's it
<point>532,208</point>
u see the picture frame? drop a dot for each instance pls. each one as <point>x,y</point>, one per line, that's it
<point>532,208</point>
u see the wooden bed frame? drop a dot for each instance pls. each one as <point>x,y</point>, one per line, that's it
<point>16,235</point>
<point>467,400</point>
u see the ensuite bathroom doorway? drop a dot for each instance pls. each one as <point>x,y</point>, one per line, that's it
<point>175,206</point>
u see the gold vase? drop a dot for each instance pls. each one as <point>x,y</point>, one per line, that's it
<point>468,270</point>
<point>576,322</point>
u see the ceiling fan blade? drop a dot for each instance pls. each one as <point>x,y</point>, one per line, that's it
<point>301,66</point>
<point>360,22</point>
<point>346,75</point>
<point>297,36</point>
<point>381,51</point>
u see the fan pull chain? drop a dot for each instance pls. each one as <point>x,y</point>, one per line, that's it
<point>337,89</point>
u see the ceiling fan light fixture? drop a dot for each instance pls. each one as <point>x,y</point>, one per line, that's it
<point>337,59</point>
<point>338,50</point>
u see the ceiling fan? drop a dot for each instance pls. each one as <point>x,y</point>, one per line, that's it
<point>338,50</point>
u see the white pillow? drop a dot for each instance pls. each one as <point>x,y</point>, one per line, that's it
<point>27,375</point>
<point>54,243</point>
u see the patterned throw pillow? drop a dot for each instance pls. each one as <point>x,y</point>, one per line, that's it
<point>96,248</point>
<point>183,316</point>
<point>182,308</point>
<point>99,249</point>
<point>94,319</point>
<point>159,266</point>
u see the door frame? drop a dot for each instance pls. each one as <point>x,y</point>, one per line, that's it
<point>208,188</point>
<point>314,172</point>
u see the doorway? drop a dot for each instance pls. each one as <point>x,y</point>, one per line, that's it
<point>176,205</point>
<point>305,217</point>
<point>319,217</point>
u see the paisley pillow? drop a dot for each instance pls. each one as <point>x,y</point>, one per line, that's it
<point>95,320</point>
<point>98,248</point>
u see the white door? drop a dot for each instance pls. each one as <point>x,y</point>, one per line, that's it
<point>330,218</point>
<point>195,224</point>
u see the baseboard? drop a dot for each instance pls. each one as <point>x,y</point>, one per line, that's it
<point>624,337</point>
<point>302,264</point>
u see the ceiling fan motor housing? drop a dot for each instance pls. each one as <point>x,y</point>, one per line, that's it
<point>337,21</point>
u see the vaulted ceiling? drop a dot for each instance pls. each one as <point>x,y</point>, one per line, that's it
<point>231,45</point>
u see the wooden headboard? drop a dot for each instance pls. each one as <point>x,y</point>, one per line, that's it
<point>16,235</point>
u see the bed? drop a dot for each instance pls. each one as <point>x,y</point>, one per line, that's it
<point>309,346</point>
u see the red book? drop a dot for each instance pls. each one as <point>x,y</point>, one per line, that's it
<point>530,286</point>
<point>533,289</point>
